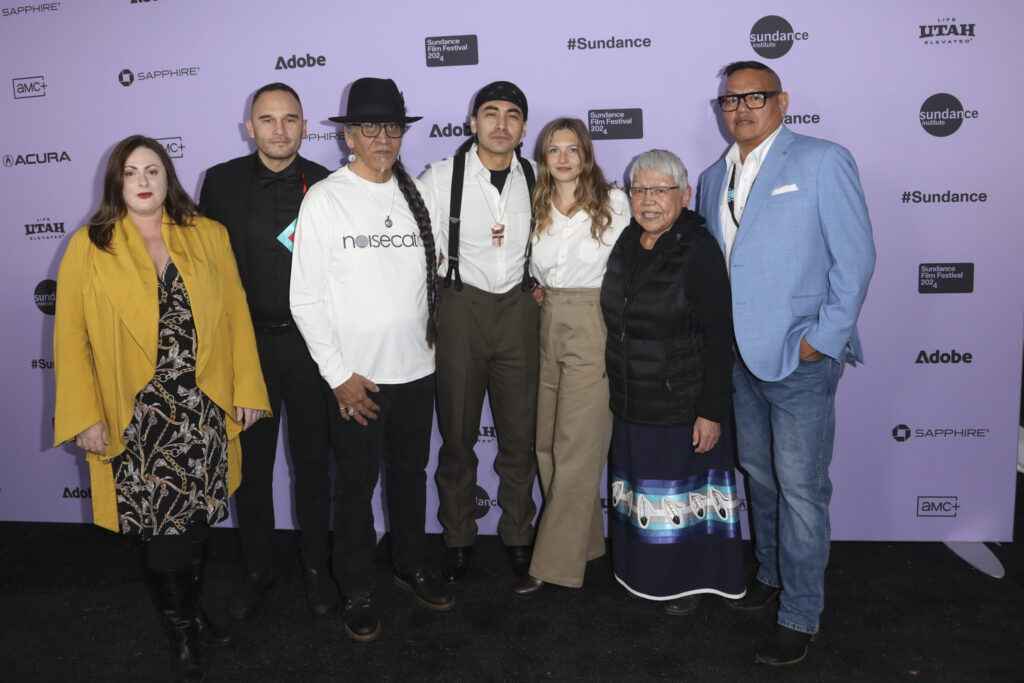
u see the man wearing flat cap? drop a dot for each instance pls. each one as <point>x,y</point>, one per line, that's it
<point>488,325</point>
<point>363,293</point>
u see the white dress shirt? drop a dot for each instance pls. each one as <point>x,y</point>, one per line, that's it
<point>358,288</point>
<point>746,174</point>
<point>481,264</point>
<point>566,255</point>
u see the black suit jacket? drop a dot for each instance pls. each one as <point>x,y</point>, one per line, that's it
<point>225,195</point>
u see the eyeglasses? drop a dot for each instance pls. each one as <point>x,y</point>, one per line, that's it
<point>753,100</point>
<point>652,191</point>
<point>392,130</point>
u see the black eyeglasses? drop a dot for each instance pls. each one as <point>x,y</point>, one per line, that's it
<point>753,100</point>
<point>392,130</point>
<point>651,191</point>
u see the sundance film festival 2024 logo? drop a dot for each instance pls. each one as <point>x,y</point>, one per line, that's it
<point>772,36</point>
<point>616,124</point>
<point>942,115</point>
<point>451,50</point>
<point>945,278</point>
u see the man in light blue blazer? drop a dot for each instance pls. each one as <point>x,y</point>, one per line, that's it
<point>789,214</point>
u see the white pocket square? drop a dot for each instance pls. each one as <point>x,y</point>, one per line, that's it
<point>784,189</point>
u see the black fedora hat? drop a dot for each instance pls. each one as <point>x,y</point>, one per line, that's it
<point>375,100</point>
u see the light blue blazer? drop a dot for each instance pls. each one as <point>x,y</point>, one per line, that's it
<point>803,254</point>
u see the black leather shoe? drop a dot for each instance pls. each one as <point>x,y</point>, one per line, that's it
<point>361,619</point>
<point>429,592</point>
<point>785,647</point>
<point>249,594</point>
<point>759,595</point>
<point>455,563</point>
<point>321,592</point>
<point>520,555</point>
<point>528,586</point>
<point>682,606</point>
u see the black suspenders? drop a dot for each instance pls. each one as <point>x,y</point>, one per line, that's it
<point>455,210</point>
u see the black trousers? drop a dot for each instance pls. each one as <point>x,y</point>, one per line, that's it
<point>291,376</point>
<point>400,439</point>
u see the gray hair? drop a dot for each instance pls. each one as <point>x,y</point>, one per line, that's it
<point>660,161</point>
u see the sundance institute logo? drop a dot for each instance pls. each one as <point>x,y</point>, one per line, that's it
<point>772,36</point>
<point>942,115</point>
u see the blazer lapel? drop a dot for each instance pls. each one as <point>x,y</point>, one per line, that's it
<point>128,279</point>
<point>765,180</point>
<point>713,211</point>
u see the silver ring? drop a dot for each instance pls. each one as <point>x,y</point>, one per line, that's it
<point>351,411</point>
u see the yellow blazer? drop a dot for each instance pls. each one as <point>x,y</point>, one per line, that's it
<point>105,338</point>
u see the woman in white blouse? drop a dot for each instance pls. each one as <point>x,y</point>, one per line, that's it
<point>579,217</point>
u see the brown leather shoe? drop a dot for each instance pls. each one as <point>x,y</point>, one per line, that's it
<point>528,586</point>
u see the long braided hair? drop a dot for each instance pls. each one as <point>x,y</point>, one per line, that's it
<point>422,216</point>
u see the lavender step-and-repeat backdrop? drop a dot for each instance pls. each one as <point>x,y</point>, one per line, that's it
<point>920,92</point>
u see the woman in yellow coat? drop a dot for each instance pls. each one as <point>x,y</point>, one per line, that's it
<point>157,374</point>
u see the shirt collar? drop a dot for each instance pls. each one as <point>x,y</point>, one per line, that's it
<point>475,167</point>
<point>756,155</point>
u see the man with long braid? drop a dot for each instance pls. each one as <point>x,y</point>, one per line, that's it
<point>489,325</point>
<point>363,292</point>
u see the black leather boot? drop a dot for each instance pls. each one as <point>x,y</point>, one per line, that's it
<point>175,599</point>
<point>209,633</point>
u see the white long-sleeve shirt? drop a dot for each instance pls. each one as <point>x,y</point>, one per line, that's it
<point>358,288</point>
<point>566,255</point>
<point>481,264</point>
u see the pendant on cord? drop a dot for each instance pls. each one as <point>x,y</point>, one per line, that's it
<point>387,222</point>
<point>498,234</point>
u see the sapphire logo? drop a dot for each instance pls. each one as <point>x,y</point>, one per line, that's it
<point>28,86</point>
<point>451,50</point>
<point>772,36</point>
<point>937,506</point>
<point>174,146</point>
<point>30,9</point>
<point>903,432</point>
<point>942,115</point>
<point>946,31</point>
<point>484,502</point>
<point>126,77</point>
<point>46,296</point>
<point>945,278</point>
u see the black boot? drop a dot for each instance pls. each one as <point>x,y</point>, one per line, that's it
<point>175,597</point>
<point>209,633</point>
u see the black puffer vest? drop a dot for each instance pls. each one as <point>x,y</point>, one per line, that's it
<point>655,350</point>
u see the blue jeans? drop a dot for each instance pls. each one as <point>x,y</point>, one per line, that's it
<point>784,435</point>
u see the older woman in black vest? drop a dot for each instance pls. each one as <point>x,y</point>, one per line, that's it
<point>674,513</point>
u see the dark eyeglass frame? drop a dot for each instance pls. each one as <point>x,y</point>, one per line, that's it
<point>392,129</point>
<point>657,191</point>
<point>735,99</point>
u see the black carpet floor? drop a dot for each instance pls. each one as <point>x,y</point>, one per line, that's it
<point>73,607</point>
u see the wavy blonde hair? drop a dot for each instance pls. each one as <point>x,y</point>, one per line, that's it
<point>591,187</point>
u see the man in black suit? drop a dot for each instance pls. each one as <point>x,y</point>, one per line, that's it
<point>257,198</point>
